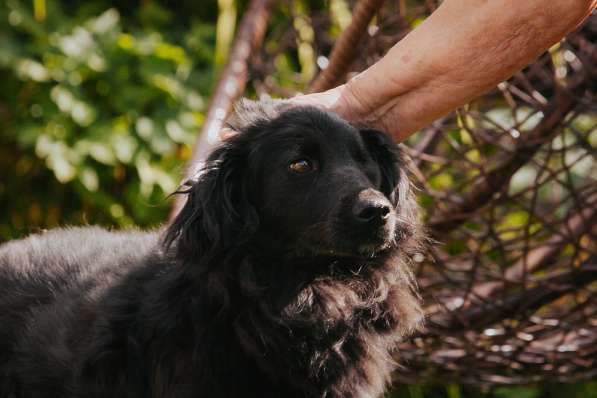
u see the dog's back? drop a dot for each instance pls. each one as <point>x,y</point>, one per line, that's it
<point>51,285</point>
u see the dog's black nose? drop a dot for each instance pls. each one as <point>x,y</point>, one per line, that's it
<point>371,206</point>
<point>373,211</point>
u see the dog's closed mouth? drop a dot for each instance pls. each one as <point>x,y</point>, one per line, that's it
<point>362,252</point>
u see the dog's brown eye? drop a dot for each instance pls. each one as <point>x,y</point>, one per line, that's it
<point>301,166</point>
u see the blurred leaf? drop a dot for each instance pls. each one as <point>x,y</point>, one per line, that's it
<point>518,392</point>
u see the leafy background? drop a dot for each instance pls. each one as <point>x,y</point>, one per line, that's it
<point>101,101</point>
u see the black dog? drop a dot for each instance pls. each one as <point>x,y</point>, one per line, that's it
<point>286,274</point>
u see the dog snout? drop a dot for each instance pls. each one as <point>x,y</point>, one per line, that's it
<point>371,207</point>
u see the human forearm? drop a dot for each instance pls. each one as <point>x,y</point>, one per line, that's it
<point>462,50</point>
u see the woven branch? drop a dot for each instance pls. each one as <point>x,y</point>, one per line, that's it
<point>347,47</point>
<point>486,294</point>
<point>493,181</point>
<point>575,226</point>
<point>477,318</point>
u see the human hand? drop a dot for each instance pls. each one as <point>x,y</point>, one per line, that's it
<point>460,52</point>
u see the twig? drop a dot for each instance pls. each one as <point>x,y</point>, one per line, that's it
<point>576,225</point>
<point>495,180</point>
<point>479,316</point>
<point>347,47</point>
<point>232,83</point>
<point>430,138</point>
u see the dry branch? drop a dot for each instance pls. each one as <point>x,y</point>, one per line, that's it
<point>575,226</point>
<point>495,180</point>
<point>430,137</point>
<point>519,305</point>
<point>231,85</point>
<point>347,47</point>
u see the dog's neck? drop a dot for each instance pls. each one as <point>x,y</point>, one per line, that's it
<point>313,317</point>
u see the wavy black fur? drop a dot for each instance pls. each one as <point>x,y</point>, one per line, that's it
<point>263,286</point>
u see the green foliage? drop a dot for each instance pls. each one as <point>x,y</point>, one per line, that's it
<point>519,392</point>
<point>110,108</point>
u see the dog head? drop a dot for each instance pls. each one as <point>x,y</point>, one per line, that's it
<point>301,182</point>
<point>301,228</point>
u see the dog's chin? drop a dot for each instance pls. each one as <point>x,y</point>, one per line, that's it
<point>362,245</point>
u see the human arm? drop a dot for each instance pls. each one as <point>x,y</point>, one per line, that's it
<point>461,51</point>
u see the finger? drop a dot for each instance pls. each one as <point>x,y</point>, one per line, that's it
<point>227,133</point>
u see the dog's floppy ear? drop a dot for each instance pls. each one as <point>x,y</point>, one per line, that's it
<point>217,217</point>
<point>388,157</point>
